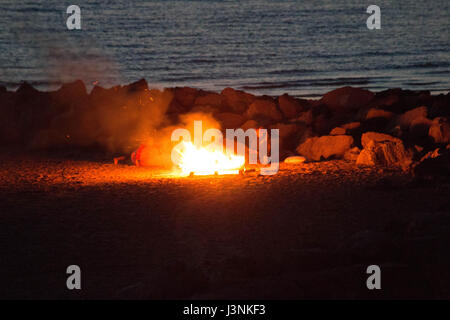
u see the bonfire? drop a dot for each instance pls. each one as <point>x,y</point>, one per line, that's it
<point>195,160</point>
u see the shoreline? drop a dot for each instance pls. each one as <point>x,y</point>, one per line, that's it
<point>261,89</point>
<point>393,127</point>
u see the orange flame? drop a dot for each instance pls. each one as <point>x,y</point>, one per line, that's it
<point>207,161</point>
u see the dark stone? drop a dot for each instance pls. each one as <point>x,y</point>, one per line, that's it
<point>325,147</point>
<point>237,100</point>
<point>292,107</point>
<point>140,85</point>
<point>264,107</point>
<point>347,99</point>
<point>185,97</point>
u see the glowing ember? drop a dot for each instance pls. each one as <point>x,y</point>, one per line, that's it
<point>201,161</point>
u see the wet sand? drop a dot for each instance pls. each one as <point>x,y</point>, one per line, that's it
<point>308,232</point>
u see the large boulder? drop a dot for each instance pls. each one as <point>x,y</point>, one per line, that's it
<point>351,126</point>
<point>71,96</point>
<point>347,98</point>
<point>325,147</point>
<point>376,137</point>
<point>439,131</point>
<point>440,106</point>
<point>352,154</point>
<point>10,133</point>
<point>289,134</point>
<point>264,108</point>
<point>32,109</point>
<point>73,90</point>
<point>338,131</point>
<point>351,129</point>
<point>406,119</point>
<point>306,117</point>
<point>419,128</point>
<point>322,124</point>
<point>140,85</point>
<point>230,120</point>
<point>205,109</point>
<point>290,106</point>
<point>385,150</point>
<point>185,97</point>
<point>250,124</point>
<point>237,100</point>
<point>374,113</point>
<point>399,101</point>
<point>210,99</point>
<point>376,119</point>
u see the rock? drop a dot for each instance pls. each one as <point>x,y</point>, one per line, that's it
<point>306,117</point>
<point>211,99</point>
<point>26,89</point>
<point>440,106</point>
<point>290,106</point>
<point>140,85</point>
<point>387,98</point>
<point>289,134</point>
<point>395,131</point>
<point>432,154</point>
<point>379,113</point>
<point>230,120</point>
<point>435,165</point>
<point>338,131</point>
<point>347,98</point>
<point>439,131</point>
<point>237,100</point>
<point>73,89</point>
<point>419,127</point>
<point>263,108</point>
<point>205,109</point>
<point>185,97</point>
<point>376,137</point>
<point>71,96</point>
<point>295,160</point>
<point>325,147</point>
<point>352,154</point>
<point>287,129</point>
<point>399,101</point>
<point>250,124</point>
<point>385,150</point>
<point>323,124</point>
<point>10,132</point>
<point>106,99</point>
<point>351,126</point>
<point>405,120</point>
<point>175,108</point>
<point>31,109</point>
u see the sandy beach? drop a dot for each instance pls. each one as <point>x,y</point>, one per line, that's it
<point>308,232</point>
